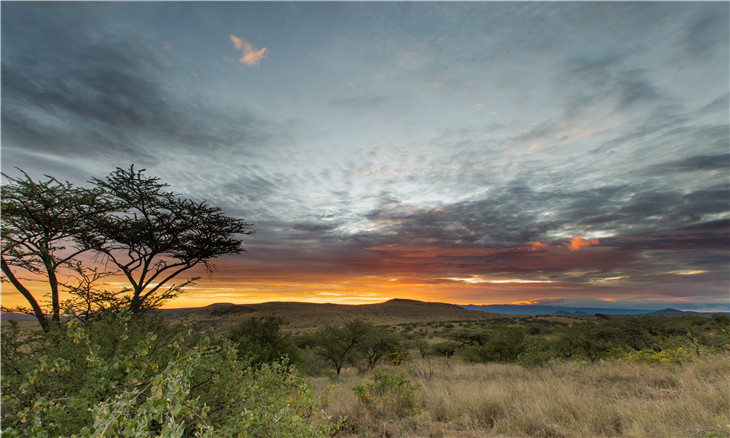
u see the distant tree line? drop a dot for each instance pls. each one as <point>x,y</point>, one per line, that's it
<point>534,341</point>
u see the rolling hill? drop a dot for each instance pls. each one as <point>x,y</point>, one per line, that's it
<point>301,317</point>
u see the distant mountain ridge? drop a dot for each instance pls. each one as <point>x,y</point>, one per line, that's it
<point>575,312</point>
<point>303,316</point>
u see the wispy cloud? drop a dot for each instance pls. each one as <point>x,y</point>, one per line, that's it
<point>250,55</point>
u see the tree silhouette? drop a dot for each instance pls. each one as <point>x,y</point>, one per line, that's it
<point>149,234</point>
<point>45,227</point>
<point>154,235</point>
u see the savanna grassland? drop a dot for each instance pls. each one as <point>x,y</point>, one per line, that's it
<point>396,369</point>
<point>569,399</point>
<point>544,377</point>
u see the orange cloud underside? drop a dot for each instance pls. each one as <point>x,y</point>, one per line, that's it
<point>578,242</point>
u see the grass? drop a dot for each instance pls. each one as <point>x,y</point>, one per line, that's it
<point>607,399</point>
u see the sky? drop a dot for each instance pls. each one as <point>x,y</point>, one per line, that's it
<point>568,154</point>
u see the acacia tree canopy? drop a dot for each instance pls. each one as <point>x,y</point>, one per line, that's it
<point>45,227</point>
<point>338,344</point>
<point>151,235</point>
<point>154,235</point>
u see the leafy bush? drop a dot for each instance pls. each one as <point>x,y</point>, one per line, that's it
<point>387,393</point>
<point>677,355</point>
<point>142,383</point>
<point>503,345</point>
<point>259,340</point>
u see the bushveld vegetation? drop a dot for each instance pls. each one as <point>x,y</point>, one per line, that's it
<point>138,375</point>
<point>648,376</point>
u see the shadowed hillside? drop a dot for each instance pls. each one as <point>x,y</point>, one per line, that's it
<point>305,316</point>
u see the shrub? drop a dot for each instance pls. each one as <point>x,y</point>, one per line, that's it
<point>504,345</point>
<point>387,393</point>
<point>677,355</point>
<point>259,340</point>
<point>141,383</point>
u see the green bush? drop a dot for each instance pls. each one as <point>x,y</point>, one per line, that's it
<point>676,355</point>
<point>387,393</point>
<point>503,345</point>
<point>140,383</point>
<point>259,340</point>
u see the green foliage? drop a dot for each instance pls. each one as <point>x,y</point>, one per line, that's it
<point>377,343</point>
<point>421,345</point>
<point>537,352</point>
<point>118,378</point>
<point>313,364</point>
<point>499,344</point>
<point>676,355</point>
<point>357,342</point>
<point>259,340</point>
<point>386,394</point>
<point>535,342</point>
<point>446,349</point>
<point>596,342</point>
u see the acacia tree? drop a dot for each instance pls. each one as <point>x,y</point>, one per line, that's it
<point>377,343</point>
<point>338,344</point>
<point>44,229</point>
<point>149,234</point>
<point>154,235</point>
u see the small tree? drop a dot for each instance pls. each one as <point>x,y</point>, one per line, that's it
<point>377,343</point>
<point>337,344</point>
<point>154,235</point>
<point>44,229</point>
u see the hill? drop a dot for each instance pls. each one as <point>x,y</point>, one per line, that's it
<point>300,317</point>
<point>576,312</point>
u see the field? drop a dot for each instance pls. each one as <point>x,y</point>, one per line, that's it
<point>444,371</point>
<point>456,399</point>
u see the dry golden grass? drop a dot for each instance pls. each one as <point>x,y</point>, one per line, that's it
<point>567,400</point>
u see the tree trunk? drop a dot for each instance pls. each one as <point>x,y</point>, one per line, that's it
<point>40,316</point>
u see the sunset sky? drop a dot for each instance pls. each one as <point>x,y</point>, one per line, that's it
<point>507,152</point>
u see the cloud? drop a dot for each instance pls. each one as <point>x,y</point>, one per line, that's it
<point>249,54</point>
<point>83,96</point>
<point>707,35</point>
<point>534,246</point>
<point>578,242</point>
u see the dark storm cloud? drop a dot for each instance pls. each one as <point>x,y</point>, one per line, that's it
<point>70,91</point>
